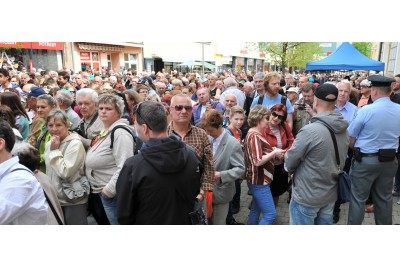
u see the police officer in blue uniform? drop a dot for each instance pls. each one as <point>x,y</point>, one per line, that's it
<point>374,135</point>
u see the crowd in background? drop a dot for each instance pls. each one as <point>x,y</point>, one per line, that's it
<point>82,127</point>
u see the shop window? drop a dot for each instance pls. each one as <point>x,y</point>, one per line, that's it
<point>130,61</point>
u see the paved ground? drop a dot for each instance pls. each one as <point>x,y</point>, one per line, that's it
<point>283,210</point>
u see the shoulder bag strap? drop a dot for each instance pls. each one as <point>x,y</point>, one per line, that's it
<point>47,198</point>
<point>334,143</point>
<point>65,147</point>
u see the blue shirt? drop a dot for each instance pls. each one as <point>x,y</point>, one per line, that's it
<point>349,111</point>
<point>377,126</point>
<point>270,102</point>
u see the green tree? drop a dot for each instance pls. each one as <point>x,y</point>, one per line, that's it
<point>291,54</point>
<point>363,47</point>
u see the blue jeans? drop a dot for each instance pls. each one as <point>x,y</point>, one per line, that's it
<point>262,203</point>
<point>302,215</point>
<point>110,207</point>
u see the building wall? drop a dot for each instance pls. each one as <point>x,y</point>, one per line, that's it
<point>117,58</point>
<point>391,57</point>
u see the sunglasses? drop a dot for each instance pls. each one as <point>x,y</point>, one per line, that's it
<point>137,111</point>
<point>129,74</point>
<point>180,107</point>
<point>279,116</point>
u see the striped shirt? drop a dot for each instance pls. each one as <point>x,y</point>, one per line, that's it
<point>257,146</point>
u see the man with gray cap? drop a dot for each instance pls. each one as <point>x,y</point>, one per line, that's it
<point>312,161</point>
<point>374,135</point>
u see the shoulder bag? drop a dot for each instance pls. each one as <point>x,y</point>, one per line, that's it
<point>78,190</point>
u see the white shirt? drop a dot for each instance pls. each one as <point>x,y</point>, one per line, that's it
<point>22,200</point>
<point>217,141</point>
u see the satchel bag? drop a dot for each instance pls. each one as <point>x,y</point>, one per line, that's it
<point>344,183</point>
<point>78,190</point>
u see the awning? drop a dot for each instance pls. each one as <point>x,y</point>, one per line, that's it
<point>100,47</point>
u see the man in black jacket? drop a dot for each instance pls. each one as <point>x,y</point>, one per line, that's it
<point>161,183</point>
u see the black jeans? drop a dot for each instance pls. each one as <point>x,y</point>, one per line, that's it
<point>96,208</point>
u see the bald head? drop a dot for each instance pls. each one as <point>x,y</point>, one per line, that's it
<point>230,101</point>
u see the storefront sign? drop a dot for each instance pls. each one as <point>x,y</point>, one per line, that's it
<point>33,45</point>
<point>85,56</point>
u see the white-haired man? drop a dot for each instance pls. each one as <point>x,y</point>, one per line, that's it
<point>231,88</point>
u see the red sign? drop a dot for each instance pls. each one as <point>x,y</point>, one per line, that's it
<point>34,45</point>
<point>85,56</point>
<point>328,53</point>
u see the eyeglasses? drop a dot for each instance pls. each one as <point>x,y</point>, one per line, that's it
<point>137,111</point>
<point>277,115</point>
<point>129,74</point>
<point>180,107</point>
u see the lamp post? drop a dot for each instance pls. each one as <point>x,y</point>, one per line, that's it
<point>202,53</point>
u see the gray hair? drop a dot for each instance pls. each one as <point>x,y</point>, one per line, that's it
<point>59,114</point>
<point>88,91</point>
<point>65,97</point>
<point>180,95</point>
<point>49,99</point>
<point>259,75</point>
<point>229,82</point>
<point>115,100</point>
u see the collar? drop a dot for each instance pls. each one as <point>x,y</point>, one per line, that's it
<point>7,165</point>
<point>171,125</point>
<point>219,138</point>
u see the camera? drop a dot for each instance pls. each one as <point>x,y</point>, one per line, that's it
<point>302,105</point>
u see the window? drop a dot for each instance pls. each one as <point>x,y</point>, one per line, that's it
<point>130,61</point>
<point>392,58</point>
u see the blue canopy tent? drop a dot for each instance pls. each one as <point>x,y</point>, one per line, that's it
<point>346,57</point>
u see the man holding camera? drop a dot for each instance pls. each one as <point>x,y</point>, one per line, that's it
<point>303,108</point>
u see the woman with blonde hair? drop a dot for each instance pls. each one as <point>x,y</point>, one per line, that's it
<point>260,168</point>
<point>65,159</point>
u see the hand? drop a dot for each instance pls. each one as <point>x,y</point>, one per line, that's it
<point>201,196</point>
<point>208,106</point>
<point>55,142</point>
<point>104,195</point>
<point>217,176</point>
<point>309,110</point>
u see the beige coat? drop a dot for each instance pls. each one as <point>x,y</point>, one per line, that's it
<point>51,193</point>
<point>68,167</point>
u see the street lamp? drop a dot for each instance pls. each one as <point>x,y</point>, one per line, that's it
<point>202,53</point>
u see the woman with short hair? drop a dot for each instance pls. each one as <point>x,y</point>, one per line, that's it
<point>104,162</point>
<point>65,158</point>
<point>260,168</point>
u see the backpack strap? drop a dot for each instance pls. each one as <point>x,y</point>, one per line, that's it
<point>135,152</point>
<point>47,198</point>
<point>260,100</point>
<point>283,100</point>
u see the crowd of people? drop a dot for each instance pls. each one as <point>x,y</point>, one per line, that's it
<point>174,148</point>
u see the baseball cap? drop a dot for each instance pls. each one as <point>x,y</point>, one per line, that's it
<point>327,92</point>
<point>35,92</point>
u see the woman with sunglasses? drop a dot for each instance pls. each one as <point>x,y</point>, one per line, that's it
<point>259,156</point>
<point>103,163</point>
<point>279,135</point>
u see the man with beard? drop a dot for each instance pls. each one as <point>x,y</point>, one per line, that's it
<point>272,96</point>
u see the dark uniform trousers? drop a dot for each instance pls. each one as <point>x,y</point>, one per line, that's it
<point>371,175</point>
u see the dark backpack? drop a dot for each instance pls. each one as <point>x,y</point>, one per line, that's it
<point>136,140</point>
